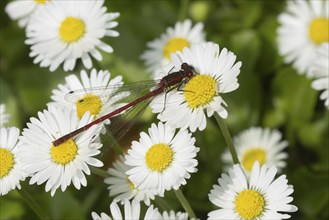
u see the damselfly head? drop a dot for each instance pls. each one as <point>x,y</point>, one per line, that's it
<point>188,70</point>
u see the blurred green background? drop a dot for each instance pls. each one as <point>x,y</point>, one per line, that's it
<point>271,94</point>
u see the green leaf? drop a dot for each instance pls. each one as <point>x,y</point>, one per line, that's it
<point>311,194</point>
<point>293,99</point>
<point>246,45</point>
<point>11,207</point>
<point>269,60</point>
<point>63,204</point>
<point>8,98</point>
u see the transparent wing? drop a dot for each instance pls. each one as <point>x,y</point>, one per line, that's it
<point>108,92</point>
<point>109,98</point>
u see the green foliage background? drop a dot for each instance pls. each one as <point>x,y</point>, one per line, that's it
<point>271,94</point>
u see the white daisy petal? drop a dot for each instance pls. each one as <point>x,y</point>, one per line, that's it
<point>173,216</point>
<point>131,211</point>
<point>4,118</point>
<point>320,71</point>
<point>22,10</point>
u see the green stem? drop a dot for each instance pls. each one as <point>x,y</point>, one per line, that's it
<point>227,137</point>
<point>99,172</point>
<point>183,10</point>
<point>33,204</point>
<point>185,203</point>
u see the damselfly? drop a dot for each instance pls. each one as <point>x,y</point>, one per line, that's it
<point>169,82</point>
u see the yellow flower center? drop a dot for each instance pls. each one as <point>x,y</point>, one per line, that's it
<point>173,45</point>
<point>40,1</point>
<point>90,103</point>
<point>249,204</point>
<point>159,157</point>
<point>252,155</point>
<point>6,162</point>
<point>71,29</point>
<point>319,30</point>
<point>65,152</point>
<point>200,90</point>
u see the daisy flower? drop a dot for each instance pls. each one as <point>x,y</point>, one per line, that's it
<point>64,31</point>
<point>122,187</point>
<point>4,118</point>
<point>174,216</point>
<point>66,163</point>
<point>131,210</point>
<point>216,74</point>
<point>162,160</point>
<point>22,10</point>
<point>10,165</point>
<point>303,27</point>
<point>94,100</point>
<point>259,196</point>
<point>320,69</point>
<point>259,144</point>
<point>175,39</point>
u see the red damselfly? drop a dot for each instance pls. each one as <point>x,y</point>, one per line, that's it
<point>169,82</point>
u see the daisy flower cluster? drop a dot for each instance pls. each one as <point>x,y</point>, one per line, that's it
<point>60,33</point>
<point>61,144</point>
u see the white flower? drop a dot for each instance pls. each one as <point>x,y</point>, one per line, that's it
<point>94,100</point>
<point>66,163</point>
<point>122,187</point>
<point>131,210</point>
<point>216,74</point>
<point>64,31</point>
<point>162,160</point>
<point>259,196</point>
<point>175,39</point>
<point>303,27</point>
<point>259,144</point>
<point>22,10</point>
<point>10,164</point>
<point>320,70</point>
<point>4,118</point>
<point>174,216</point>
